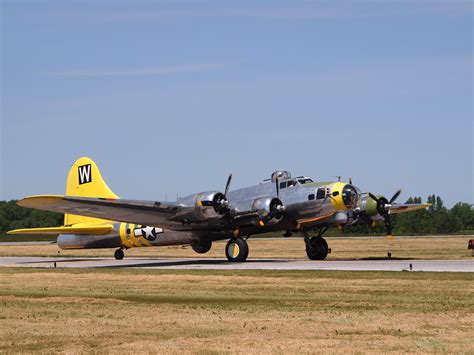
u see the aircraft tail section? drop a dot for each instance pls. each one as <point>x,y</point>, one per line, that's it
<point>85,180</point>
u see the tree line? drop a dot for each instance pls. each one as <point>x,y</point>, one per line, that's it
<point>13,216</point>
<point>436,219</point>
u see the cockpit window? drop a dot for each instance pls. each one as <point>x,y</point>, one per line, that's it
<point>321,193</point>
<point>305,181</point>
<point>286,184</point>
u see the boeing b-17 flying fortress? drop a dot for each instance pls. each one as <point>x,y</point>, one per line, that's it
<point>95,217</point>
<point>163,250</point>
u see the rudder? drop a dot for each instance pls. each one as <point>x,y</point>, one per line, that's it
<point>85,180</point>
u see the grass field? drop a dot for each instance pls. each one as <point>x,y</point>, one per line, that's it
<point>234,311</point>
<point>448,247</point>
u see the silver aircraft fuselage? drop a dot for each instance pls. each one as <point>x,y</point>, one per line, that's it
<point>305,202</point>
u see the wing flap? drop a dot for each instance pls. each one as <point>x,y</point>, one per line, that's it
<point>98,229</point>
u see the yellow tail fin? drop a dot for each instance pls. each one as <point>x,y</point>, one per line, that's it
<point>84,180</point>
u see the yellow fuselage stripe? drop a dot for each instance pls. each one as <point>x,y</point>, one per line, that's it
<point>123,235</point>
<point>134,240</point>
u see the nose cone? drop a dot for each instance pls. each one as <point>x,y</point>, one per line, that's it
<point>349,196</point>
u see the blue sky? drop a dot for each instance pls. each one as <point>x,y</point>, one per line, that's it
<point>169,97</point>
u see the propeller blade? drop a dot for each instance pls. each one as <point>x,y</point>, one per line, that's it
<point>388,225</point>
<point>394,197</point>
<point>227,185</point>
<point>373,197</point>
<point>277,182</point>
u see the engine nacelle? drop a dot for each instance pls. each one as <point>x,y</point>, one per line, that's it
<point>268,209</point>
<point>209,204</point>
<point>369,206</point>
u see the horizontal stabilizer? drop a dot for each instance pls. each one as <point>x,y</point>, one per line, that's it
<point>90,229</point>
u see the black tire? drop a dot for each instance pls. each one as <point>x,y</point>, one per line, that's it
<point>237,250</point>
<point>201,246</point>
<point>317,248</point>
<point>119,254</point>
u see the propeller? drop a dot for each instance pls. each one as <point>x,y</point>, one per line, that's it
<point>276,206</point>
<point>383,208</point>
<point>223,203</point>
<point>276,209</point>
<point>220,201</point>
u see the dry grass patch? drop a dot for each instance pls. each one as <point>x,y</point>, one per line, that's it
<point>234,311</point>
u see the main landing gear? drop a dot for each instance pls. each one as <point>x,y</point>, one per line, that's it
<point>237,249</point>
<point>316,247</point>
<point>119,254</point>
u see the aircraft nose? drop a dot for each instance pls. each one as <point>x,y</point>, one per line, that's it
<point>349,196</point>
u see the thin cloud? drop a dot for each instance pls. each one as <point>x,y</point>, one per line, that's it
<point>159,71</point>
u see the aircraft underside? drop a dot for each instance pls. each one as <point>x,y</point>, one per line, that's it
<point>125,236</point>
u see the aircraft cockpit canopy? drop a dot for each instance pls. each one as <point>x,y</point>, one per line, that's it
<point>284,177</point>
<point>304,180</point>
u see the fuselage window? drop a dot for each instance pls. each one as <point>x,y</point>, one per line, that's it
<point>282,185</point>
<point>321,193</point>
<point>311,197</point>
<point>305,181</point>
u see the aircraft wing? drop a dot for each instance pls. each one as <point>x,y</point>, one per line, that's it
<point>407,207</point>
<point>150,213</point>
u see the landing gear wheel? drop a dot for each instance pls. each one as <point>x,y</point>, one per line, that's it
<point>316,248</point>
<point>119,254</point>
<point>201,246</point>
<point>237,250</point>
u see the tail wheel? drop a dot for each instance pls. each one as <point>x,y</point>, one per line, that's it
<point>119,254</point>
<point>317,248</point>
<point>237,250</point>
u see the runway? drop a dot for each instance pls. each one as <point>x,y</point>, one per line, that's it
<point>252,264</point>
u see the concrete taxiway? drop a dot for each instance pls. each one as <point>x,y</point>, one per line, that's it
<point>252,264</point>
